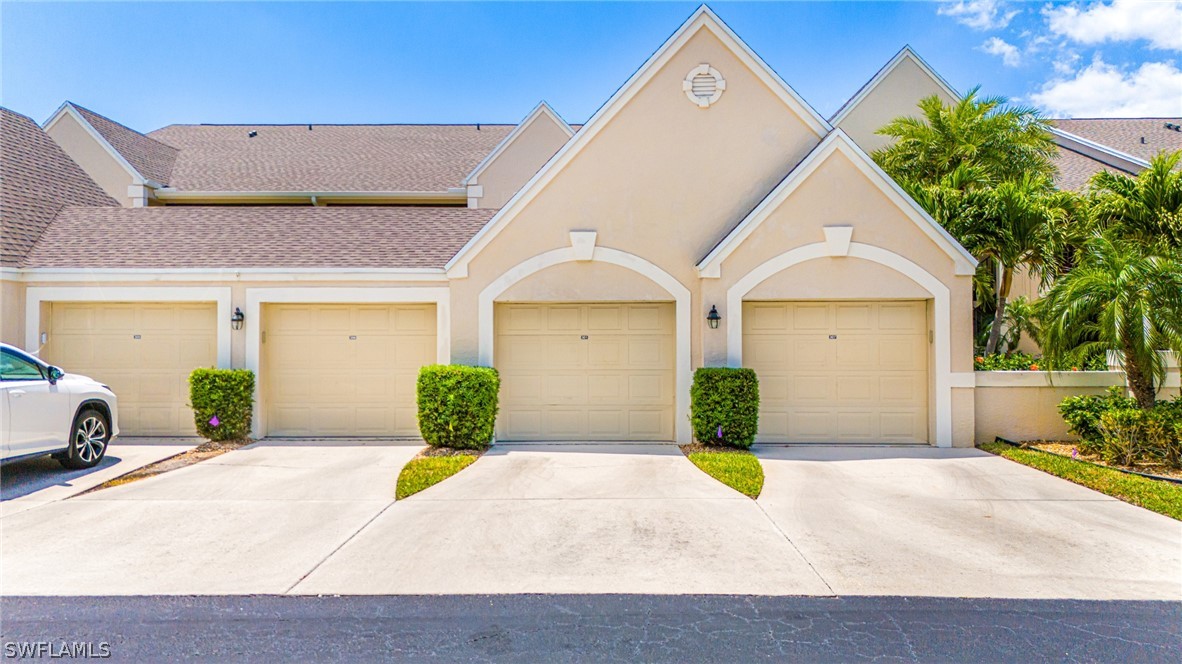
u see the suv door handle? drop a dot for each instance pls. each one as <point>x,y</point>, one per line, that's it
<point>17,393</point>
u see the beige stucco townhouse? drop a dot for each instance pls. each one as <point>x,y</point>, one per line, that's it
<point>582,262</point>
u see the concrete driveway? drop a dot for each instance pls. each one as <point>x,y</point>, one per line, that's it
<point>35,482</point>
<point>571,519</point>
<point>318,517</point>
<point>254,520</point>
<point>963,523</point>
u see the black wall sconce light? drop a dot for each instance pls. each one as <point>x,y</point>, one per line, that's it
<point>712,318</point>
<point>237,319</point>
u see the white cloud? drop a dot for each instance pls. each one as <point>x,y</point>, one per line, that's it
<point>1008,53</point>
<point>1102,90</point>
<point>979,14</point>
<point>1159,23</point>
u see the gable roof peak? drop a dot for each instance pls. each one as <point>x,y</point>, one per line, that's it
<point>837,141</point>
<point>148,160</point>
<point>702,18</point>
<point>905,53</point>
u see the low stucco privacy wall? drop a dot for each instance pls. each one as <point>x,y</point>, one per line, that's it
<point>1024,405</point>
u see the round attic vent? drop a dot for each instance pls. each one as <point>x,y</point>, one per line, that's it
<point>703,85</point>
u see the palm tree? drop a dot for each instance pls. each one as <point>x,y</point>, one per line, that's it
<point>1023,224</point>
<point>1147,207</point>
<point>1001,141</point>
<point>1122,296</point>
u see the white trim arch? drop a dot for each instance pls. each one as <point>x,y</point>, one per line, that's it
<point>681,297</point>
<point>941,295</point>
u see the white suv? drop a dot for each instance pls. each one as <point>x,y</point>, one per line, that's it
<point>47,411</point>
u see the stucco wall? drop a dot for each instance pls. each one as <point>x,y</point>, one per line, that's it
<point>590,281</point>
<point>12,312</point>
<point>895,95</point>
<point>1024,405</point>
<point>663,179</point>
<point>838,193</point>
<point>517,163</point>
<point>77,142</point>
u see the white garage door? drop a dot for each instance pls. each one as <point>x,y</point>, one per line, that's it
<point>344,369</point>
<point>144,351</point>
<point>839,372</point>
<point>600,371</point>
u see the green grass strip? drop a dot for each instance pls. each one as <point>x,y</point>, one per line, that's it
<point>738,469</point>
<point>1161,497</point>
<point>424,472</point>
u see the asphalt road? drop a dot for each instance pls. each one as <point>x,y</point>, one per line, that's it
<point>599,628</point>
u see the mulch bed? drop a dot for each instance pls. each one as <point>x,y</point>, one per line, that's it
<point>1067,449</point>
<point>694,448</point>
<point>206,450</point>
<point>429,451</point>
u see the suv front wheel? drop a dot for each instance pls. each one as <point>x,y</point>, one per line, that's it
<point>88,440</point>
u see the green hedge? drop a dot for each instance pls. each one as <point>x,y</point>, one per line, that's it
<point>1082,415</point>
<point>724,406</point>
<point>458,405</point>
<point>1113,427</point>
<point>222,400</point>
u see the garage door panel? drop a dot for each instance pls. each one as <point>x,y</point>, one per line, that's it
<point>606,352</point>
<point>839,371</point>
<point>809,318</point>
<point>564,319</point>
<point>853,317</point>
<point>345,369</point>
<point>595,371</point>
<point>144,351</point>
<point>855,352</point>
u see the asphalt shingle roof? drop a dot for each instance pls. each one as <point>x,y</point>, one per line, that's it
<point>36,179</point>
<point>153,159</point>
<point>1126,134</point>
<point>327,157</point>
<point>256,236</point>
<point>1075,170</point>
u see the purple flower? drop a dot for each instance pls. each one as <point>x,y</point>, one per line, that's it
<point>720,431</point>
<point>1074,453</point>
<point>214,421</point>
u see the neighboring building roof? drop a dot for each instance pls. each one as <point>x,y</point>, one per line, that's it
<point>1075,170</point>
<point>154,160</point>
<point>1127,134</point>
<point>327,157</point>
<point>36,179</point>
<point>255,236</point>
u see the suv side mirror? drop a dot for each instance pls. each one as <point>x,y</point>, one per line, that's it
<point>55,375</point>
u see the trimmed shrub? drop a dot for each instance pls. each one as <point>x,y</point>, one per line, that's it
<point>724,406</point>
<point>458,405</point>
<point>1163,433</point>
<point>222,400</point>
<point>1082,415</point>
<point>1124,435</point>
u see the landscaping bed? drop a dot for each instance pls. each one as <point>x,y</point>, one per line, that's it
<point>206,450</point>
<point>1155,495</point>
<point>1072,450</point>
<point>738,469</point>
<point>432,466</point>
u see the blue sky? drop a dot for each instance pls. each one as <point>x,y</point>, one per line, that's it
<point>152,64</point>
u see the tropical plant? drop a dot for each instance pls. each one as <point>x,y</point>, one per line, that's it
<point>1122,296</point>
<point>1146,208</point>
<point>1021,317</point>
<point>996,140</point>
<point>1022,225</point>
